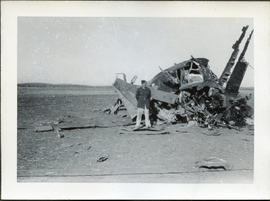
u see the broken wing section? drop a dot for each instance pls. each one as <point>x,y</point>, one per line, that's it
<point>127,91</point>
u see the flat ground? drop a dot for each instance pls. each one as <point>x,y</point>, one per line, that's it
<point>44,157</point>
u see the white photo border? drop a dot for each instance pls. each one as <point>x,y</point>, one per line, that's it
<point>259,11</point>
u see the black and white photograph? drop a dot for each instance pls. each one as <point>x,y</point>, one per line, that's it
<point>115,99</point>
<point>132,100</point>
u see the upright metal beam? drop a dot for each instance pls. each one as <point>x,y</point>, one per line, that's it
<point>239,71</point>
<point>227,70</point>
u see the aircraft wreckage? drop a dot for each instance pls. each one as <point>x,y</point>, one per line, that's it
<point>190,91</point>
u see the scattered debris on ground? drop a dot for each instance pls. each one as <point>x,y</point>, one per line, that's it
<point>118,106</point>
<point>44,128</point>
<point>70,126</point>
<point>70,122</point>
<point>89,147</point>
<point>212,133</point>
<point>177,131</point>
<point>102,158</point>
<point>205,111</point>
<point>213,163</point>
<point>189,92</point>
<point>59,134</point>
<point>144,132</point>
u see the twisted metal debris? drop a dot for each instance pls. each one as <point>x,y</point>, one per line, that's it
<point>190,91</point>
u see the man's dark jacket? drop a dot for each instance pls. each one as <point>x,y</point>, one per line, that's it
<point>143,97</point>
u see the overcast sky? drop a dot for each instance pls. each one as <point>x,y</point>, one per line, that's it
<point>75,50</point>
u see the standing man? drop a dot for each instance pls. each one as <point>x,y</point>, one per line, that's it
<point>143,96</point>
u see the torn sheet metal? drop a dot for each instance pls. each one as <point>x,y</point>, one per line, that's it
<point>190,91</point>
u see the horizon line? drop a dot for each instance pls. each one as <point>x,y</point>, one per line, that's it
<point>86,85</point>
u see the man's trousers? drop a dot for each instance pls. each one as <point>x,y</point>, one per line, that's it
<point>139,117</point>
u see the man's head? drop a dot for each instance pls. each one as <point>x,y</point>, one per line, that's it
<point>143,82</point>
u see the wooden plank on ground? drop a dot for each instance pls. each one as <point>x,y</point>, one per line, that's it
<point>72,126</point>
<point>145,132</point>
<point>44,128</point>
<point>142,129</point>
